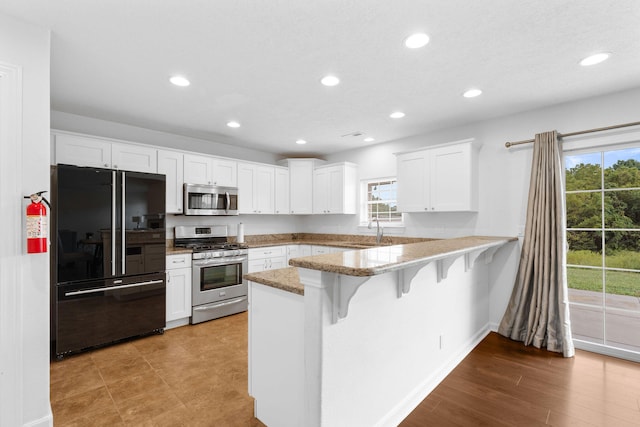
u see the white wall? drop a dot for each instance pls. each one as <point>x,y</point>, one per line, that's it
<point>28,402</point>
<point>503,176</point>
<point>253,224</point>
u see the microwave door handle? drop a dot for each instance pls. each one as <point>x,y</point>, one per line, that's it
<point>113,223</point>
<point>123,247</point>
<point>228,206</point>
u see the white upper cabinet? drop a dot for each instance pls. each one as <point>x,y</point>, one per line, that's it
<point>171,163</point>
<point>256,188</point>
<point>301,185</point>
<point>335,189</point>
<point>82,150</point>
<point>281,204</point>
<point>200,169</point>
<point>225,172</point>
<point>439,179</point>
<point>134,158</point>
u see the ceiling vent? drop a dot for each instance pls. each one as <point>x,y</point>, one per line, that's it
<point>352,134</point>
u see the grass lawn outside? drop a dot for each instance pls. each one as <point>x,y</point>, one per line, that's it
<point>618,282</point>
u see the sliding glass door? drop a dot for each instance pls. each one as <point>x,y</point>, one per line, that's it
<point>603,236</point>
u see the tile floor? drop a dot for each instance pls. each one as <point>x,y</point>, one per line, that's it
<point>190,376</point>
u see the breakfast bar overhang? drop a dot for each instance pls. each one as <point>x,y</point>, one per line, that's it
<point>359,338</point>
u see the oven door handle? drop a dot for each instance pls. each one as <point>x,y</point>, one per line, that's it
<point>219,261</point>
<point>222,304</point>
<point>111,288</point>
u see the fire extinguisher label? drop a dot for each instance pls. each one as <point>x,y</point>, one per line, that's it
<point>36,227</point>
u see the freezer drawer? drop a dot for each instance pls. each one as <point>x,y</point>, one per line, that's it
<point>100,312</point>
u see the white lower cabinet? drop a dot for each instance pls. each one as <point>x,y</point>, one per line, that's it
<point>321,250</point>
<point>178,289</point>
<point>267,258</point>
<point>297,251</point>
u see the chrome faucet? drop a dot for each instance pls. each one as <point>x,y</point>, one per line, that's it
<point>379,230</point>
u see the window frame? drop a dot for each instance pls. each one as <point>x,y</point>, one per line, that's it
<point>364,203</point>
<point>614,142</point>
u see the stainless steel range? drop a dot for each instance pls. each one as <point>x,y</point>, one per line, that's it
<point>218,288</point>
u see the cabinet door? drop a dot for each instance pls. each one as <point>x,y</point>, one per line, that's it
<point>413,182</point>
<point>178,293</point>
<point>134,158</point>
<point>171,164</point>
<point>277,262</point>
<point>335,190</point>
<point>246,180</point>
<point>256,265</point>
<point>292,252</point>
<point>82,151</point>
<point>301,186</point>
<point>281,203</point>
<point>198,169</point>
<point>321,191</point>
<point>304,250</point>
<point>320,250</point>
<point>264,193</point>
<point>451,169</point>
<point>225,172</point>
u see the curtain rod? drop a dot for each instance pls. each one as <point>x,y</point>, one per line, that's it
<point>527,141</point>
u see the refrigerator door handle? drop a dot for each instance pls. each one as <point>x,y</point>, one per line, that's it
<point>113,223</point>
<point>111,288</point>
<point>124,243</point>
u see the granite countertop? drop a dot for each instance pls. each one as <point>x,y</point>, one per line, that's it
<point>286,279</point>
<point>353,241</point>
<point>374,261</point>
<point>172,250</point>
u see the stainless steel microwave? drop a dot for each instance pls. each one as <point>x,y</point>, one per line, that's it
<point>200,199</point>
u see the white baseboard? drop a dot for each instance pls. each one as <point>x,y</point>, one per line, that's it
<point>607,351</point>
<point>176,323</point>
<point>413,399</point>
<point>46,421</point>
<point>493,327</point>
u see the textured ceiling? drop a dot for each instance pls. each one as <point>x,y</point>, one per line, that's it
<point>259,62</point>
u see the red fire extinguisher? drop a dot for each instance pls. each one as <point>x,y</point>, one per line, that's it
<point>37,224</point>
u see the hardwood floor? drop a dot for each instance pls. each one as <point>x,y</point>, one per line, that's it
<point>503,383</point>
<point>197,376</point>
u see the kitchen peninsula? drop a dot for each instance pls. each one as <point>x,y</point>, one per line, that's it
<point>360,337</point>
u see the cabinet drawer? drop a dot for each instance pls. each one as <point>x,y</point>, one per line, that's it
<point>267,252</point>
<point>178,261</point>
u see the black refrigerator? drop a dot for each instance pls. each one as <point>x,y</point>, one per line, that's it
<point>107,256</point>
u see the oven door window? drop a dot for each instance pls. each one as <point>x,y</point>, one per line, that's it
<point>220,276</point>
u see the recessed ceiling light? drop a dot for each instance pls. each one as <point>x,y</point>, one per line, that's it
<point>472,93</point>
<point>594,59</point>
<point>330,80</point>
<point>179,81</point>
<point>301,142</point>
<point>416,41</point>
<point>233,124</point>
<point>397,115</point>
<point>369,139</point>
